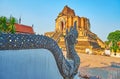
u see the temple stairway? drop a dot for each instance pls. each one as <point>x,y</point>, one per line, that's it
<point>59,38</point>
<point>62,44</point>
<point>56,36</point>
<point>80,47</point>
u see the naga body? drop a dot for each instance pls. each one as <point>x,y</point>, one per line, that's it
<point>67,67</point>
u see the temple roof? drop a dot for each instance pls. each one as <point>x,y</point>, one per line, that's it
<point>23,29</point>
<point>67,11</point>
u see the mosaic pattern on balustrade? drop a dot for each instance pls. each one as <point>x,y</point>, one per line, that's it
<point>25,41</point>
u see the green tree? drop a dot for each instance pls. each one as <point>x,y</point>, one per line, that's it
<point>3,23</point>
<point>0,25</point>
<point>7,24</point>
<point>114,38</point>
<point>11,26</point>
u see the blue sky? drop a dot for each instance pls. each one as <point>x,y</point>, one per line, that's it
<point>104,15</point>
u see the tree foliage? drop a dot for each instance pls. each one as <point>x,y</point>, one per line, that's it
<point>3,24</point>
<point>114,38</point>
<point>7,24</point>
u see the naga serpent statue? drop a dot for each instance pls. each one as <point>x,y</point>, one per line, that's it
<point>67,67</point>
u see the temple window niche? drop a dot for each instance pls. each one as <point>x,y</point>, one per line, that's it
<point>61,24</point>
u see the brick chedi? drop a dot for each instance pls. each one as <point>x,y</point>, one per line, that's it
<point>87,41</point>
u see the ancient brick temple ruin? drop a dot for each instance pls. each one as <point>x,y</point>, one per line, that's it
<point>87,41</point>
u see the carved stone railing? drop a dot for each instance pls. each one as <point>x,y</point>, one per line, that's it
<point>24,41</point>
<point>68,69</point>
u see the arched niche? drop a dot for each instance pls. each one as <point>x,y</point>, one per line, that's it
<point>61,24</point>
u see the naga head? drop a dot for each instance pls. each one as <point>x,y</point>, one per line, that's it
<point>72,35</point>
